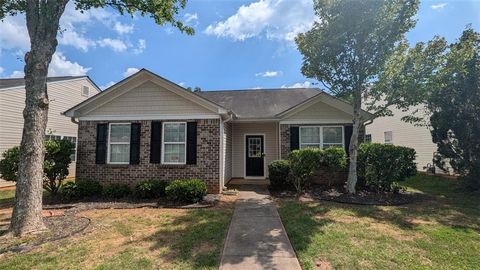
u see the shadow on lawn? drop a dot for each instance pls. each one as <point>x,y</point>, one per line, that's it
<point>446,203</point>
<point>196,238</point>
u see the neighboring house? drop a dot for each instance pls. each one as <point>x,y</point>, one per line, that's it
<point>146,127</point>
<point>63,93</point>
<point>392,130</point>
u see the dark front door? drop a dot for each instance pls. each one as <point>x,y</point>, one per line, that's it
<point>254,156</point>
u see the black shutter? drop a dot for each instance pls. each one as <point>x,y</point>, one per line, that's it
<point>294,138</point>
<point>348,130</point>
<point>135,143</point>
<point>101,146</point>
<point>192,143</point>
<point>156,142</point>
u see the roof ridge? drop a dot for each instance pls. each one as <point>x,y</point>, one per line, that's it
<point>263,89</point>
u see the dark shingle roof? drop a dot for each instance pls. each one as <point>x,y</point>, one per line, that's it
<point>260,103</point>
<point>7,83</point>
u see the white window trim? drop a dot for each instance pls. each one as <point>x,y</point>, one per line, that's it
<point>163,144</point>
<point>108,143</point>
<point>385,137</point>
<point>321,136</point>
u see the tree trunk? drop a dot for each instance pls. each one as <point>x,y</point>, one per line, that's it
<point>353,148</point>
<point>42,23</point>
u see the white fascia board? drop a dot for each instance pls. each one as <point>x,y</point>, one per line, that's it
<point>148,117</point>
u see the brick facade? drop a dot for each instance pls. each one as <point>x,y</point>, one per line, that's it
<point>207,167</point>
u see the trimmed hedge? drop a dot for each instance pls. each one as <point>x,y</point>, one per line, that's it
<point>150,189</point>
<point>117,191</point>
<point>188,191</point>
<point>81,189</point>
<point>382,166</point>
<point>279,171</point>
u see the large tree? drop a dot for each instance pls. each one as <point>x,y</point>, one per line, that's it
<point>347,49</point>
<point>442,82</point>
<point>42,20</point>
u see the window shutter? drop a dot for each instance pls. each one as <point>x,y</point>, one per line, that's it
<point>156,142</point>
<point>348,130</point>
<point>135,143</point>
<point>192,143</point>
<point>294,138</point>
<point>101,146</point>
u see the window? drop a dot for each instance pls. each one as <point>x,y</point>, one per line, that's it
<point>321,137</point>
<point>388,137</point>
<point>85,91</point>
<point>51,137</point>
<point>174,143</point>
<point>254,147</point>
<point>368,138</point>
<point>119,144</point>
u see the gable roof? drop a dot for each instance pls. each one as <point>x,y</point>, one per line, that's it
<point>144,75</point>
<point>260,103</point>
<point>17,82</point>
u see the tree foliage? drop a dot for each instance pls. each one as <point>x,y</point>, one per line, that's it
<point>444,80</point>
<point>347,48</point>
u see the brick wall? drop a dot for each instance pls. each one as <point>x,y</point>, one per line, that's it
<point>207,167</point>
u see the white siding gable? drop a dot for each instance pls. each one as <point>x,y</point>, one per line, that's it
<point>323,113</point>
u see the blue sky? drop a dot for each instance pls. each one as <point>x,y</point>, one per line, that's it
<point>237,45</point>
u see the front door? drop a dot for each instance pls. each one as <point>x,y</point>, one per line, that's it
<point>254,155</point>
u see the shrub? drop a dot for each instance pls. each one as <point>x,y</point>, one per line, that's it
<point>9,164</point>
<point>69,191</point>
<point>80,189</point>
<point>334,158</point>
<point>189,191</point>
<point>150,189</point>
<point>382,166</point>
<point>89,188</point>
<point>303,164</point>
<point>279,175</point>
<point>116,191</point>
<point>55,166</point>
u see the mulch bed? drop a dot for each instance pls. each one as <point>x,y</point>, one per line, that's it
<point>362,197</point>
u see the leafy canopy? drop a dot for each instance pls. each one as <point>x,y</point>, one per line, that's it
<point>161,11</point>
<point>350,42</point>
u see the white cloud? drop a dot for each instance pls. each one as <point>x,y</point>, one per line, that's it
<point>274,19</point>
<point>142,45</point>
<point>123,29</point>
<point>269,74</point>
<point>14,34</point>
<point>305,84</point>
<point>182,84</point>
<point>60,66</point>
<point>17,74</point>
<point>438,6</point>
<point>188,17</point>
<point>116,45</point>
<point>72,38</point>
<point>1,70</point>
<point>130,71</point>
<point>107,85</point>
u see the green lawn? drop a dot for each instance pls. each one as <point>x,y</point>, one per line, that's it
<point>440,233</point>
<point>135,239</point>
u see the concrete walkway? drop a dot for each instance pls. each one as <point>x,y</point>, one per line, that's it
<point>256,238</point>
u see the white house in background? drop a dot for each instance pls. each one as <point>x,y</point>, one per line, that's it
<point>63,92</point>
<point>392,130</point>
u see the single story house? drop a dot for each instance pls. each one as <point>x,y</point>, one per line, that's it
<point>63,92</point>
<point>146,127</point>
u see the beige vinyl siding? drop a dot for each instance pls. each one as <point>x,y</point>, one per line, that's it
<point>62,96</point>
<point>227,145</point>
<point>404,134</point>
<point>270,129</point>
<point>149,99</point>
<point>321,111</point>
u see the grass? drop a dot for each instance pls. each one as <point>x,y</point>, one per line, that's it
<point>439,233</point>
<point>135,239</point>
